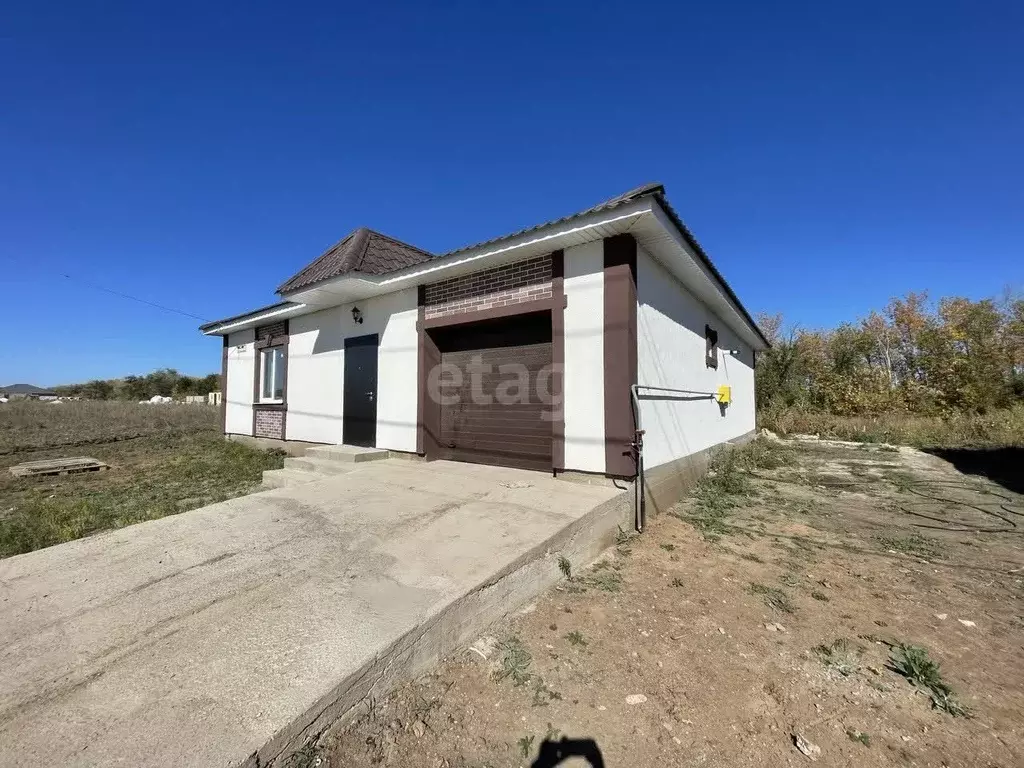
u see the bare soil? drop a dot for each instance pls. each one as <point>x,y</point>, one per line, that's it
<point>683,650</point>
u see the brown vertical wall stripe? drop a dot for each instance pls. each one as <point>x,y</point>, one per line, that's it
<point>558,359</point>
<point>224,386</point>
<point>421,367</point>
<point>428,413</point>
<point>270,419</point>
<point>620,340</point>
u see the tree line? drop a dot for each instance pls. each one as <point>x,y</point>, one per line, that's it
<point>166,382</point>
<point>916,356</point>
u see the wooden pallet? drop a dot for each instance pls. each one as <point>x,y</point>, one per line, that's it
<point>58,467</point>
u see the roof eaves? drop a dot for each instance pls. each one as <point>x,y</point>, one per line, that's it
<point>281,305</point>
<point>301,278</point>
<point>706,260</point>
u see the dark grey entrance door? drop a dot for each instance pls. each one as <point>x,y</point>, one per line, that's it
<point>359,418</point>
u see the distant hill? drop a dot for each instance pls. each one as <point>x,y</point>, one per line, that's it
<point>26,389</point>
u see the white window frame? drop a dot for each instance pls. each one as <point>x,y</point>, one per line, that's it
<point>267,355</point>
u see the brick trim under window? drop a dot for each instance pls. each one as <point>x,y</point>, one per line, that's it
<point>507,285</point>
<point>270,419</point>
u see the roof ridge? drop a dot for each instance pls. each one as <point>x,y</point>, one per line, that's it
<point>396,241</point>
<point>363,250</point>
<point>356,254</point>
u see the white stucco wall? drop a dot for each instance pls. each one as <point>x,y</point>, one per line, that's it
<point>394,318</point>
<point>238,397</point>
<point>316,370</point>
<point>671,348</point>
<point>583,380</point>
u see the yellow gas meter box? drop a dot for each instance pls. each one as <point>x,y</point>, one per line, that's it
<point>725,394</point>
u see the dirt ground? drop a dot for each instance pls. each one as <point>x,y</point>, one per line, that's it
<point>725,644</point>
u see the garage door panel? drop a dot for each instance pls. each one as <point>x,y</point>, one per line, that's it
<point>504,440</point>
<point>510,427</point>
<point>475,425</point>
<point>502,458</point>
<point>510,410</point>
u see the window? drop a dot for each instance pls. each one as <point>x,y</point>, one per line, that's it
<point>710,347</point>
<point>272,374</point>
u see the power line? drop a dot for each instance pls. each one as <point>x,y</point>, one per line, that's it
<point>135,298</point>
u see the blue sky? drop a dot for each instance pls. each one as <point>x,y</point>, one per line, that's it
<point>828,156</point>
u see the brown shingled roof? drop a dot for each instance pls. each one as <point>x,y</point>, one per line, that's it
<point>372,253</point>
<point>626,197</point>
<point>364,251</point>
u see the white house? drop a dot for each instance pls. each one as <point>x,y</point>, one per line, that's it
<point>543,349</point>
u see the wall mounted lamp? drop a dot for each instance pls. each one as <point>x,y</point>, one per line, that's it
<point>357,315</point>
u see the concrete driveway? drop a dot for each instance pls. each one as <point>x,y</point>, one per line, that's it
<point>227,635</point>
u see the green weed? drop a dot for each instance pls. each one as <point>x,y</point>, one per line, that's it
<point>622,541</point>
<point>526,745</point>
<point>576,638</point>
<point>607,581</point>
<point>840,656</point>
<point>309,756</point>
<point>515,661</point>
<point>728,482</point>
<point>859,736</point>
<point>542,694</point>
<point>790,579</point>
<point>913,663</point>
<point>773,597</point>
<point>565,567</point>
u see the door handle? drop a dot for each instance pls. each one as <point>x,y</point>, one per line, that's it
<point>370,395</point>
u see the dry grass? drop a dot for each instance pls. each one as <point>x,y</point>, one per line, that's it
<point>164,459</point>
<point>33,425</point>
<point>1000,428</point>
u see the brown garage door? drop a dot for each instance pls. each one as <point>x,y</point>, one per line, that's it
<point>493,411</point>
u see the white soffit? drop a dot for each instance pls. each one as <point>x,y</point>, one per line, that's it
<point>659,236</point>
<point>256,319</point>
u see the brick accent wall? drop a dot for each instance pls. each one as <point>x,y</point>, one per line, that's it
<point>272,330</point>
<point>269,420</point>
<point>502,286</point>
<point>269,423</point>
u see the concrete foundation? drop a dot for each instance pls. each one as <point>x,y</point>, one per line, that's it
<point>291,447</point>
<point>666,484</point>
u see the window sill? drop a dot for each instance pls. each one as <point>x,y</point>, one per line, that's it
<point>271,405</point>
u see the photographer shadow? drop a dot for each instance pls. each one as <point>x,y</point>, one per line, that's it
<point>553,753</point>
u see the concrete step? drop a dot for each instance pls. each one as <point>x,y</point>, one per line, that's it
<point>284,478</point>
<point>318,464</point>
<point>347,453</point>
